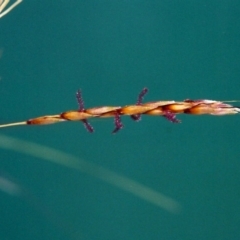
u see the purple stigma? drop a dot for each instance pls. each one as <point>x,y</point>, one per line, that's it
<point>141,95</point>
<point>86,124</point>
<point>137,117</point>
<point>80,100</point>
<point>171,117</point>
<point>117,122</point>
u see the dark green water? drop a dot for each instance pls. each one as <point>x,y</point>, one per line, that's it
<point>111,50</point>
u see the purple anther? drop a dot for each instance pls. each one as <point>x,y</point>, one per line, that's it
<point>137,117</point>
<point>117,122</point>
<point>171,117</point>
<point>88,126</point>
<point>80,101</point>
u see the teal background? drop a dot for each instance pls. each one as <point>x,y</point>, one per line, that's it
<point>111,50</point>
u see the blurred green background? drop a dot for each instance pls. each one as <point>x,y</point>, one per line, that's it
<point>111,50</point>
